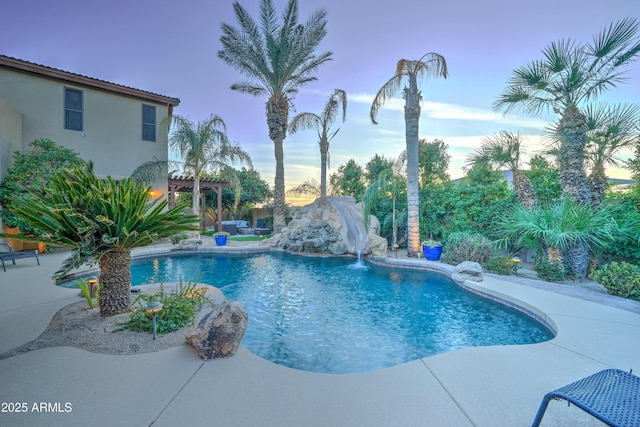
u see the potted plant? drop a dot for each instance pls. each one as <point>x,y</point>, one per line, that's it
<point>221,237</point>
<point>432,249</point>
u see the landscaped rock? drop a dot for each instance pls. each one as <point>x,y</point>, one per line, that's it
<point>467,270</point>
<point>332,225</point>
<point>188,244</point>
<point>218,331</point>
<point>378,245</point>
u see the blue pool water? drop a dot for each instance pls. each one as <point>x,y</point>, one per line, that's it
<point>334,316</point>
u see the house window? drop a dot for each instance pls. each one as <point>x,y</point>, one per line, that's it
<point>73,109</point>
<point>148,123</point>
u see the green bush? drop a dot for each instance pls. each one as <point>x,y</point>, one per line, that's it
<point>549,271</point>
<point>175,239</point>
<point>179,309</point>
<point>620,278</point>
<point>461,247</point>
<point>501,265</point>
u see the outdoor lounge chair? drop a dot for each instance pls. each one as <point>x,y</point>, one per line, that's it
<point>13,256</point>
<point>612,396</point>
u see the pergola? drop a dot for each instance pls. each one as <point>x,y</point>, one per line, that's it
<point>184,184</point>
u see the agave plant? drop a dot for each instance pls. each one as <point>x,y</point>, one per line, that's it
<point>562,228</point>
<point>100,220</point>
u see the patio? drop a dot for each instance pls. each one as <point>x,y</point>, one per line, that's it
<point>490,386</point>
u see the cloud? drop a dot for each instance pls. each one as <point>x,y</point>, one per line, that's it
<point>445,111</point>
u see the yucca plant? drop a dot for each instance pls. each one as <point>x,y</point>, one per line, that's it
<point>562,227</point>
<point>100,220</point>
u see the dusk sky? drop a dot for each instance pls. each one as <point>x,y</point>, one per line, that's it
<point>171,48</point>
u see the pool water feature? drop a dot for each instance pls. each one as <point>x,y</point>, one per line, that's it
<point>320,314</point>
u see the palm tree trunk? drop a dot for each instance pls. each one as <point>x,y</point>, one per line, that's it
<point>115,281</point>
<point>574,182</point>
<point>599,183</point>
<point>524,189</point>
<point>324,154</point>
<point>572,129</point>
<point>412,118</point>
<point>277,118</point>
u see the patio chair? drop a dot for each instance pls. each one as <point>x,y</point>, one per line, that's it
<point>612,396</point>
<point>12,256</point>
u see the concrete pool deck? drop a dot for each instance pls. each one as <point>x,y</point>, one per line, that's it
<point>485,386</point>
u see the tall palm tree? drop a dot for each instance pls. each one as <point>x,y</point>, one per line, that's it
<point>569,75</point>
<point>100,220</point>
<point>504,150</point>
<point>430,65</point>
<point>322,123</point>
<point>278,58</point>
<point>203,147</point>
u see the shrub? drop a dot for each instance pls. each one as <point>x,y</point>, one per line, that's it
<point>501,265</point>
<point>620,278</point>
<point>179,309</point>
<point>461,247</point>
<point>175,239</point>
<point>549,271</point>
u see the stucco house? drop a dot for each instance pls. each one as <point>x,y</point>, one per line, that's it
<point>116,126</point>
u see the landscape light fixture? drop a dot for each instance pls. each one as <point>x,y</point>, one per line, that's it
<point>92,282</point>
<point>154,308</point>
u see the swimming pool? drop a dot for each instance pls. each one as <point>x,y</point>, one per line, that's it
<point>331,315</point>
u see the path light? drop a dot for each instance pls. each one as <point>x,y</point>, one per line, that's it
<point>154,308</point>
<point>395,248</point>
<point>92,282</point>
<point>515,260</point>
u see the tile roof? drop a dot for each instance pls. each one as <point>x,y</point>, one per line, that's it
<point>54,73</point>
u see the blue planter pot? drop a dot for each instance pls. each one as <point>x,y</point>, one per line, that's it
<point>221,240</point>
<point>432,253</point>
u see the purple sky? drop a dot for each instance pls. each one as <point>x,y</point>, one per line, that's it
<point>171,48</point>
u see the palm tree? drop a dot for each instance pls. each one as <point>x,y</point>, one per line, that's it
<point>430,65</point>
<point>100,220</point>
<point>308,189</point>
<point>610,129</point>
<point>558,227</point>
<point>203,147</point>
<point>503,150</point>
<point>322,123</point>
<point>278,59</point>
<point>389,184</point>
<point>570,74</point>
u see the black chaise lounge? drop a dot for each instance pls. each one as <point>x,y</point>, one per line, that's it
<point>612,396</point>
<point>13,256</point>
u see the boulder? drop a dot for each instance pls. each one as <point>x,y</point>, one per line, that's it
<point>218,331</point>
<point>467,270</point>
<point>378,245</point>
<point>188,244</point>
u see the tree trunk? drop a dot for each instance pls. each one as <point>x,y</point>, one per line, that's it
<point>578,257</point>
<point>572,129</point>
<point>277,118</point>
<point>599,183</point>
<point>115,281</point>
<point>412,118</point>
<point>324,155</point>
<point>574,182</point>
<point>524,189</point>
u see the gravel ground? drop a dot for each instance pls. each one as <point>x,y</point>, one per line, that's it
<point>78,326</point>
